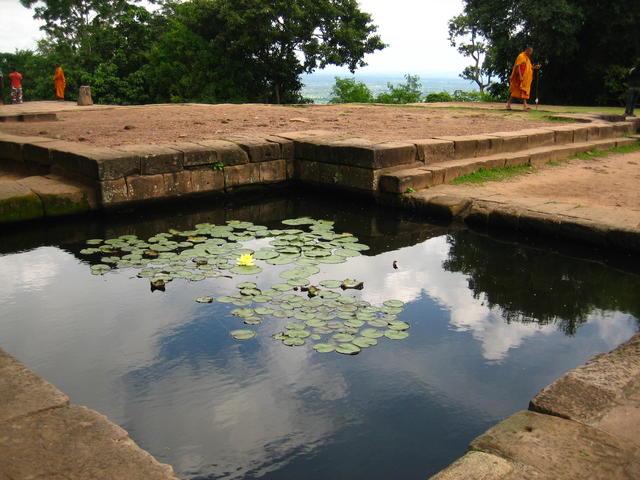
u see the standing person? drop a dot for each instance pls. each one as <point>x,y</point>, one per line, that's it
<point>634,90</point>
<point>15,78</point>
<point>1,88</point>
<point>521,78</point>
<point>59,82</point>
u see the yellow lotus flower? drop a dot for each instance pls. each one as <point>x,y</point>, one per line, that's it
<point>245,260</point>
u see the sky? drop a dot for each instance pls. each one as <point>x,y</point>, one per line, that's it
<point>415,30</point>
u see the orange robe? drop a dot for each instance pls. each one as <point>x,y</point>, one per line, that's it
<point>59,82</point>
<point>521,89</point>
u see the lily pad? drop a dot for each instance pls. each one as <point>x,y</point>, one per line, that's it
<point>293,341</point>
<point>204,299</point>
<point>249,270</point>
<point>324,347</point>
<point>398,325</point>
<point>364,342</point>
<point>331,283</point>
<point>395,334</point>
<point>242,312</point>
<point>348,349</point>
<point>343,337</point>
<point>252,321</point>
<point>372,333</point>
<point>394,304</point>
<point>242,334</point>
<point>298,333</point>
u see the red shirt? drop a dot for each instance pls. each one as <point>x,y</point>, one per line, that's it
<point>16,79</point>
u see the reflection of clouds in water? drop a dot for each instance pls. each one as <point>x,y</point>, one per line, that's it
<point>30,271</point>
<point>256,411</point>
<point>613,328</point>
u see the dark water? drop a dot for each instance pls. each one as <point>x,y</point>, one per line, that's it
<point>491,324</point>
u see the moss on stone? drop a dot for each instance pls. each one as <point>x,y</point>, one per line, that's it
<point>19,208</point>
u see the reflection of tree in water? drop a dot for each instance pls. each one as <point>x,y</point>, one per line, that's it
<point>532,285</point>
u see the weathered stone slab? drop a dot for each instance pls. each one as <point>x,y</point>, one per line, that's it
<point>586,393</point>
<point>228,153</point>
<point>512,141</point>
<point>273,171</point>
<point>364,154</point>
<point>286,146</point>
<point>541,156</point>
<point>206,180</point>
<point>93,163</point>
<point>177,184</point>
<point>60,196</point>
<point>563,134</point>
<point>312,144</point>
<point>431,150</point>
<point>580,133</point>
<point>241,175</point>
<point>155,159</point>
<point>538,137</point>
<point>447,207</point>
<point>73,443</point>
<point>11,146</point>
<point>603,144</point>
<point>463,146</point>
<point>259,149</point>
<point>605,130</point>
<point>195,154</point>
<point>18,203</point>
<point>516,158</point>
<point>405,180</point>
<point>483,466</point>
<point>626,141</point>
<point>24,393</point>
<point>145,187</point>
<point>560,449</point>
<point>113,192</point>
<point>623,128</point>
<point>39,153</point>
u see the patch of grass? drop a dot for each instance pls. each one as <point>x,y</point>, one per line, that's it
<point>493,174</point>
<point>410,190</point>
<point>554,164</point>
<point>626,148</point>
<point>589,155</point>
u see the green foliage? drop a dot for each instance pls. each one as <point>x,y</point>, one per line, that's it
<point>493,174</point>
<point>461,96</point>
<point>438,97</point>
<point>348,90</point>
<point>580,44</point>
<point>410,92</point>
<point>462,28</point>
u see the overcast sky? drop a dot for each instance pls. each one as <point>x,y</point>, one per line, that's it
<point>416,31</point>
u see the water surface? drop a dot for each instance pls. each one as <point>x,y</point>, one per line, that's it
<point>492,322</point>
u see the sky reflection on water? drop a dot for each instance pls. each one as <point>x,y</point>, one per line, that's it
<point>166,369</point>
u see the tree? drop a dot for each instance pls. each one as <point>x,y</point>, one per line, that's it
<point>348,90</point>
<point>275,41</point>
<point>578,43</point>
<point>479,72</point>
<point>410,92</point>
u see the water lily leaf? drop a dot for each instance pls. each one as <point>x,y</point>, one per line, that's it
<point>262,298</point>
<point>225,299</point>
<point>295,326</point>
<point>297,333</point>
<point>279,336</point>
<point>331,283</point>
<point>303,261</point>
<point>195,277</point>
<point>204,299</point>
<point>252,320</point>
<point>264,311</point>
<point>242,334</point>
<point>282,259</point>
<point>249,270</point>
<point>360,247</point>
<point>315,336</point>
<point>241,302</point>
<point>396,335</point>
<point>378,322</point>
<point>280,314</point>
<point>346,300</point>
<point>391,311</point>
<point>323,330</point>
<point>304,316</point>
<point>348,308</point>
<point>293,341</point>
<point>324,347</point>
<point>354,323</point>
<point>329,295</point>
<point>89,251</point>
<point>344,252</point>
<point>298,282</point>
<point>242,312</point>
<point>372,333</point>
<point>314,322</point>
<point>348,349</point>
<point>333,259</point>
<point>265,254</point>
<point>94,241</point>
<point>349,283</point>
<point>281,287</point>
<point>398,325</point>
<point>250,292</point>
<point>299,221</point>
<point>394,304</point>
<point>300,272</point>
<point>343,337</point>
<point>364,342</point>
<point>99,269</point>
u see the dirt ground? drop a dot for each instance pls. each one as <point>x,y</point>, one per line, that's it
<point>170,123</point>
<point>613,181</point>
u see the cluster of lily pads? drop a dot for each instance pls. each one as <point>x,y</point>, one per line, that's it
<point>322,312</point>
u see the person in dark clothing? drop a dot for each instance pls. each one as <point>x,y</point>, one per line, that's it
<point>634,90</point>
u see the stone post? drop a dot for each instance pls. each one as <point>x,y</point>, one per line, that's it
<point>84,97</point>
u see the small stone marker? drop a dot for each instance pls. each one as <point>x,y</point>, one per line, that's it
<point>84,97</point>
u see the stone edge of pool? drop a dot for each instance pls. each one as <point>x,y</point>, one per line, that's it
<point>584,425</point>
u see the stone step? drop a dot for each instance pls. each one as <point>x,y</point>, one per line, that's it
<point>413,179</point>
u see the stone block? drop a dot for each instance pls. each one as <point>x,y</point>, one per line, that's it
<point>156,159</point>
<point>258,149</point>
<point>512,141</point>
<point>314,149</point>
<point>239,175</point>
<point>206,180</point>
<point>364,154</point>
<point>145,187</point>
<point>93,163</point>
<point>195,154</point>
<point>291,168</point>
<point>540,156</point>
<point>580,133</point>
<point>400,182</point>
<point>273,171</point>
<point>448,207</point>
<point>18,203</point>
<point>538,137</point>
<point>113,192</point>
<point>228,153</point>
<point>431,150</point>
<point>563,134</point>
<point>626,142</point>
<point>560,449</point>
<point>308,171</point>
<point>39,153</point>
<point>74,443</point>
<point>493,161</point>
<point>464,146</point>
<point>60,196</point>
<point>480,466</point>
<point>286,146</point>
<point>514,159</point>
<point>177,184</point>
<point>605,130</point>
<point>24,393</point>
<point>348,177</point>
<point>11,146</point>
<point>623,128</point>
<point>603,144</point>
<point>438,173</point>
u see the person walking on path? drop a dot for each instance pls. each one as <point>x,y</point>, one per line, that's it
<point>15,78</point>
<point>59,82</point>
<point>521,78</point>
<point>634,90</point>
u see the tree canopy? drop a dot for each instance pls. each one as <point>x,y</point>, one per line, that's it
<point>585,47</point>
<point>200,50</point>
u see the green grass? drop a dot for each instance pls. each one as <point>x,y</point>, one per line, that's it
<point>493,174</point>
<point>596,153</point>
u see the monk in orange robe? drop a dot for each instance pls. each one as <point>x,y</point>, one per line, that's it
<point>521,78</point>
<point>59,82</point>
